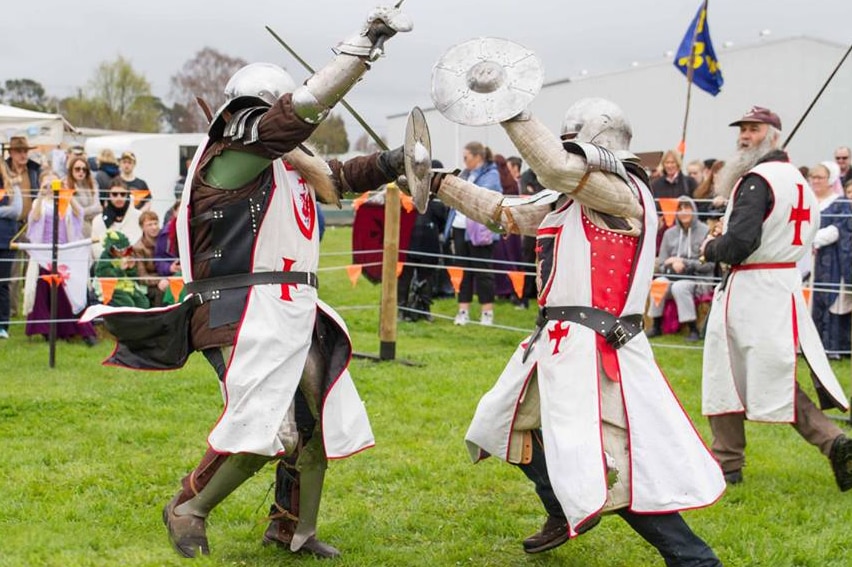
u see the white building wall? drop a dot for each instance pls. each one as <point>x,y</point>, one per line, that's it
<point>783,75</point>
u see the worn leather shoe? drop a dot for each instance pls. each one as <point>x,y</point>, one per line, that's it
<point>554,533</point>
<point>841,462</point>
<point>277,534</point>
<point>188,533</point>
<point>734,477</point>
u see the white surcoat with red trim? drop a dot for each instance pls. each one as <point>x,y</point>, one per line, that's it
<point>274,334</point>
<point>667,466</point>
<point>759,319</point>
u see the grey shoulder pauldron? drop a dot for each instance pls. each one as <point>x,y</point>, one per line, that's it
<point>598,158</point>
<point>244,124</point>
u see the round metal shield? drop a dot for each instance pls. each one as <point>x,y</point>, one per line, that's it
<point>485,81</point>
<point>418,158</point>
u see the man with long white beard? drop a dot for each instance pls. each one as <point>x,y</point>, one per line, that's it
<point>759,319</point>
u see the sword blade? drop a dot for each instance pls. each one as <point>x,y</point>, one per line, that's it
<point>376,138</point>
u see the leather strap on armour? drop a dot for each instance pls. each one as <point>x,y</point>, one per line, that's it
<point>209,288</point>
<point>617,331</point>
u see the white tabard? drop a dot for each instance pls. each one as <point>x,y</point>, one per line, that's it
<point>274,334</point>
<point>667,465</point>
<point>759,319</point>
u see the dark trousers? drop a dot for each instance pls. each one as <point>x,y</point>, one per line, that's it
<point>729,440</point>
<point>424,275</point>
<point>668,532</point>
<point>478,259</point>
<point>6,258</point>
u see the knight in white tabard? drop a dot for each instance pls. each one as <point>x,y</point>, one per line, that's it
<point>582,407</point>
<point>759,320</point>
<point>249,244</point>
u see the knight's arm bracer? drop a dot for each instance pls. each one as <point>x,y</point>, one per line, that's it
<point>313,100</point>
<point>501,214</point>
<point>362,173</point>
<point>590,179</point>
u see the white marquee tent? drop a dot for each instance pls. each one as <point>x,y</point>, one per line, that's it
<point>40,128</point>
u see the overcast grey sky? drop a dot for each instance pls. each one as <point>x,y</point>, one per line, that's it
<point>62,43</point>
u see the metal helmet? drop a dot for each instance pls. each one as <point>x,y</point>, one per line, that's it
<point>597,121</point>
<point>252,85</point>
<point>264,81</point>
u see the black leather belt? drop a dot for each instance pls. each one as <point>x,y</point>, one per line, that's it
<point>208,289</point>
<point>617,331</point>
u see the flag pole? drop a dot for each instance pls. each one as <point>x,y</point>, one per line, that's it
<point>55,186</point>
<point>690,71</point>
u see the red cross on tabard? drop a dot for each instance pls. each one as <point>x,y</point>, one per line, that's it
<point>798,215</point>
<point>558,333</point>
<point>285,287</point>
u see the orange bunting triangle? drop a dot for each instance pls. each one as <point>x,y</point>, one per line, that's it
<point>176,286</point>
<point>407,202</point>
<point>681,148</point>
<point>52,279</point>
<point>64,201</point>
<point>669,207</point>
<point>354,272</point>
<point>139,195</point>
<point>2,193</point>
<point>659,287</point>
<point>360,200</point>
<point>107,289</point>
<point>806,293</point>
<point>456,275</point>
<point>517,279</point>
<point>399,266</point>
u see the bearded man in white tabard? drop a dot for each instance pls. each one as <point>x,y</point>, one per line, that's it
<point>759,319</point>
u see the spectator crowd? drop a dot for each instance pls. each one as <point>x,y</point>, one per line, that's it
<point>111,205</point>
<point>100,198</point>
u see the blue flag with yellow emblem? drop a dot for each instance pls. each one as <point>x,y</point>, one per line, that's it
<point>696,46</point>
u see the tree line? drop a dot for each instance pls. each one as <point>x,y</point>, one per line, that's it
<point>117,97</point>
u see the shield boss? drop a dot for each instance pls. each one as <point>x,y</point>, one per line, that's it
<point>485,81</point>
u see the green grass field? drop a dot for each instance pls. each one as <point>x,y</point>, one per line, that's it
<point>91,454</point>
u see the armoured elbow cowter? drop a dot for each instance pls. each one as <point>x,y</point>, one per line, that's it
<point>313,100</point>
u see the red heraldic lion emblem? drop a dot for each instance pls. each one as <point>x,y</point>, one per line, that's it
<point>304,206</point>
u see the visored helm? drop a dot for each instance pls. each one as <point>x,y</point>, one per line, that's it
<point>597,121</point>
<point>252,85</point>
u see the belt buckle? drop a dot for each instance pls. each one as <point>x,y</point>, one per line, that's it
<point>211,296</point>
<point>617,337</point>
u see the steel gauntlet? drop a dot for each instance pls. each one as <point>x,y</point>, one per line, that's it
<point>313,100</point>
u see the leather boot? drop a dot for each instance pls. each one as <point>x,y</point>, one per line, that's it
<point>280,533</point>
<point>185,517</point>
<point>841,462</point>
<point>187,533</point>
<point>554,533</point>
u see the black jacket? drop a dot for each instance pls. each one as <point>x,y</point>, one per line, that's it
<point>752,203</point>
